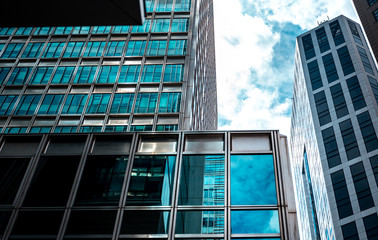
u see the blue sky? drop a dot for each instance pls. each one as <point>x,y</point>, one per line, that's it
<point>255,47</point>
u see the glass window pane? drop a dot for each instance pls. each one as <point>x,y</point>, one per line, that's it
<point>145,222</point>
<point>91,222</point>
<point>98,103</point>
<point>146,103</point>
<point>85,74</point>
<point>255,221</point>
<point>27,104</point>
<point>122,103</point>
<point>41,75</point>
<point>197,222</point>
<point>74,104</point>
<point>129,73</point>
<point>252,180</point>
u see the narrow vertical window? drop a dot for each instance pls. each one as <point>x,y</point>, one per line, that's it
<point>339,100</point>
<point>173,73</point>
<point>322,40</point>
<point>146,103</point>
<point>365,60</point>
<point>331,148</point>
<point>349,139</point>
<point>368,131</point>
<point>345,60</point>
<point>308,46</point>
<point>355,34</point>
<point>356,93</point>
<point>330,68</point>
<point>170,102</point>
<point>322,108</point>
<point>315,78</point>
<point>340,190</point>
<point>361,184</point>
<point>337,34</point>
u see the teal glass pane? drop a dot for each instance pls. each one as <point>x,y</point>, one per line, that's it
<point>51,104</point>
<point>3,74</point>
<point>252,180</point>
<point>27,104</point>
<point>160,25</point>
<point>41,75</point>
<point>94,49</point>
<point>24,31</point>
<point>63,75</point>
<point>2,45</point>
<point>173,73</point>
<point>63,30</point>
<point>116,128</point>
<point>129,73</point>
<point>40,130</point>
<point>74,49</point>
<point>200,222</point>
<point>150,4</point>
<point>107,74</point>
<point>81,30</point>
<point>146,103</point>
<point>90,129</point>
<point>7,30</point>
<point>182,5</point>
<point>156,47</point>
<point>142,28</point>
<point>101,29</point>
<point>65,129</point>
<point>43,30</point>
<point>19,76</point>
<point>254,221</point>
<point>164,6</point>
<point>98,103</point>
<point>180,25</point>
<point>12,50</point>
<point>151,182</point>
<point>170,102</point>
<point>53,50</point>
<point>166,127</point>
<point>145,222</point>
<point>121,29</point>
<point>7,103</point>
<point>141,128</point>
<point>177,47</point>
<point>33,50</point>
<point>122,103</point>
<point>135,48</point>
<point>85,74</point>
<point>74,104</point>
<point>15,130</point>
<point>151,73</point>
<point>115,48</point>
<point>202,180</point>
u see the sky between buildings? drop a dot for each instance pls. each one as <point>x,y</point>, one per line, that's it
<point>255,47</point>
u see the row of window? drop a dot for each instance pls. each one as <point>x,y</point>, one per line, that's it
<point>92,74</point>
<point>96,104</point>
<point>350,231</point>
<point>167,5</point>
<point>94,49</point>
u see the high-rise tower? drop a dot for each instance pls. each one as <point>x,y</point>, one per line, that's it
<point>334,126</point>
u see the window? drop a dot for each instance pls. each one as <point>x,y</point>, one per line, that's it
<point>371,226</point>
<point>308,46</point>
<point>365,60</point>
<point>7,30</point>
<point>160,25</point>
<point>145,222</point>
<point>53,50</point>
<point>122,103</point>
<point>90,129</point>
<point>374,166</point>
<point>371,2</point>
<point>368,131</point>
<point>33,50</point>
<point>40,130</point>
<point>90,222</point>
<point>27,105</point>
<point>73,49</point>
<point>121,29</point>
<point>24,31</point>
<point>173,73</point>
<point>166,128</point>
<point>322,39</point>
<point>41,75</point>
<point>361,184</point>
<point>146,103</point>
<point>7,103</point>
<point>129,73</point>
<point>150,4</point>
<point>151,73</point>
<point>63,30</point>
<point>356,93</point>
<point>98,103</point>
<point>116,128</point>
<point>177,47</point>
<point>43,30</point>
<point>337,34</point>
<point>164,6</point>
<point>65,129</point>
<point>19,76</point>
<point>142,28</point>
<point>180,25</point>
<point>313,71</point>
<point>375,14</point>
<point>94,49</point>
<point>140,128</point>
<point>330,68</point>
<point>62,75</point>
<point>182,5</point>
<point>107,74</point>
<point>101,29</point>
<point>254,221</point>
<point>345,60</point>
<point>208,222</point>
<point>322,108</point>
<point>81,30</point>
<point>349,139</point>
<point>115,48</point>
<point>356,35</point>
<point>341,194</point>
<point>12,50</point>
<point>156,47</point>
<point>85,74</point>
<point>331,148</point>
<point>51,104</point>
<point>74,104</point>
<point>3,74</point>
<point>170,102</point>
<point>373,84</point>
<point>350,231</point>
<point>135,48</point>
<point>339,100</point>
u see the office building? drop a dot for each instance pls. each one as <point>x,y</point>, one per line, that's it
<point>368,13</point>
<point>159,76</point>
<point>171,185</point>
<point>334,145</point>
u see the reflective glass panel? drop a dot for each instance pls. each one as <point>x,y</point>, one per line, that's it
<point>255,221</point>
<point>197,222</point>
<point>91,222</point>
<point>252,180</point>
<point>145,222</point>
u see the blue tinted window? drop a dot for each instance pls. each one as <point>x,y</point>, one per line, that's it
<point>129,73</point>
<point>27,104</point>
<point>180,25</point>
<point>74,49</point>
<point>3,74</point>
<point>350,231</point>
<point>349,139</point>
<point>371,2</point>
<point>19,75</point>
<point>43,30</point>
<point>177,47</point>
<point>166,128</point>
<point>371,226</point>
<point>322,39</point>
<point>24,31</point>
<point>41,75</point>
<point>33,50</point>
<point>375,14</point>
<point>85,74</point>
<point>173,73</point>
<point>164,6</point>
<point>40,129</point>
<point>7,30</point>
<point>151,73</point>
<point>122,103</point>
<point>156,47</point>
<point>94,49</point>
<point>90,129</point>
<point>313,71</point>
<point>98,103</point>
<point>63,30</point>
<point>15,130</point>
<point>356,93</point>
<point>150,4</point>
<point>53,49</point>
<point>65,129</point>
<point>355,34</point>
<point>160,25</point>
<point>74,104</point>
<point>368,131</point>
<point>330,145</point>
<point>340,190</point>
<point>115,48</point>
<point>140,128</point>
<point>146,103</point>
<point>121,29</point>
<point>170,102</point>
<point>7,103</point>
<point>118,128</point>
<point>207,222</point>
<point>322,108</point>
<point>51,104</point>
<point>142,28</point>
<point>365,60</point>
<point>135,48</point>
<point>107,74</point>
<point>81,30</point>
<point>345,60</point>
<point>62,75</point>
<point>254,221</point>
<point>182,5</point>
<point>308,46</point>
<point>361,184</point>
<point>257,186</point>
<point>339,100</point>
<point>101,29</point>
<point>337,34</point>
<point>330,68</point>
<point>373,84</point>
<point>12,50</point>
